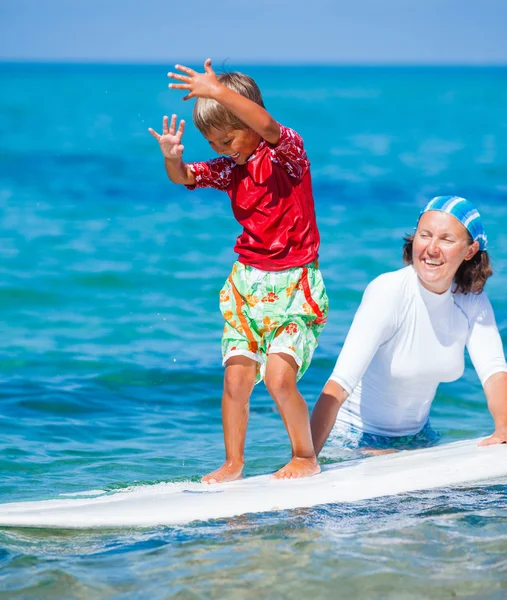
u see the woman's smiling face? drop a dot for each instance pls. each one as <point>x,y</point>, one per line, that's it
<point>441,243</point>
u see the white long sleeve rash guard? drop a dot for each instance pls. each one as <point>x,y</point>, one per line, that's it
<point>404,341</point>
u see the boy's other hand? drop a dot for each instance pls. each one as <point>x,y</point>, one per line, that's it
<point>200,85</point>
<point>170,140</point>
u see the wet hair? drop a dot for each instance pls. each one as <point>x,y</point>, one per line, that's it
<point>209,113</point>
<point>471,275</point>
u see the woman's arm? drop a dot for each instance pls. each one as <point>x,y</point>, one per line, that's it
<point>325,412</point>
<point>486,351</point>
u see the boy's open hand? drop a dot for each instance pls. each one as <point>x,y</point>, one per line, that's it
<point>200,85</point>
<point>170,140</point>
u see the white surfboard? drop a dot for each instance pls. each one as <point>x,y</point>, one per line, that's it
<point>179,503</point>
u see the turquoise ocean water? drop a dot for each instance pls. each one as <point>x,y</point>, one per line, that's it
<point>110,357</point>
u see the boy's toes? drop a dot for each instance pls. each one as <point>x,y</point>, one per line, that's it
<point>298,467</point>
<point>229,471</point>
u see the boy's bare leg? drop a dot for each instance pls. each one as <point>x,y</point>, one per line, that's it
<point>280,379</point>
<point>239,380</point>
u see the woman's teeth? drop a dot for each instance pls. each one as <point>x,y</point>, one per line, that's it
<point>433,263</point>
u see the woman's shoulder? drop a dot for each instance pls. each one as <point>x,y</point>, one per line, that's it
<point>473,305</point>
<point>393,283</point>
<point>391,291</point>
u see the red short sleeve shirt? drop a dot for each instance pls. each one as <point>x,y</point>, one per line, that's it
<point>271,197</point>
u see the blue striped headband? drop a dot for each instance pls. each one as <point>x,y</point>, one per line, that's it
<point>465,212</point>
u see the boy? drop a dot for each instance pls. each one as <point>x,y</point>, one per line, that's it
<point>274,302</point>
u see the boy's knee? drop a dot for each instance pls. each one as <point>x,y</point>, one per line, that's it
<point>280,385</point>
<point>232,382</point>
<point>236,379</point>
<point>281,375</point>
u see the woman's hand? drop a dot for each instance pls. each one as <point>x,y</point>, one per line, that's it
<point>498,437</point>
<point>199,85</point>
<point>495,389</point>
<point>170,140</point>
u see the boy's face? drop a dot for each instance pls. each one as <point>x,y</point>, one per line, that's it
<point>238,144</point>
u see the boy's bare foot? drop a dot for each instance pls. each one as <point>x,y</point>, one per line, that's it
<point>229,471</point>
<point>298,467</point>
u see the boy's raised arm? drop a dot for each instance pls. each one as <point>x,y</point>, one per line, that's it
<point>172,149</point>
<point>206,85</point>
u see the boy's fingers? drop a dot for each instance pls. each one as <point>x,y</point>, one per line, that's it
<point>172,128</point>
<point>180,86</point>
<point>207,66</point>
<point>165,125</point>
<point>179,77</point>
<point>154,133</point>
<point>186,70</point>
<point>188,97</point>
<point>181,129</point>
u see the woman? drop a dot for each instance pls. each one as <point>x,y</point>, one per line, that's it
<point>410,332</point>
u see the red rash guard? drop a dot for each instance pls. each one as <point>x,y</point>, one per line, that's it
<point>271,197</point>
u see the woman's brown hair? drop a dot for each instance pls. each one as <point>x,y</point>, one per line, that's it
<point>471,275</point>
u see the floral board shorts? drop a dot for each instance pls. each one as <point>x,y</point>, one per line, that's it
<point>273,312</point>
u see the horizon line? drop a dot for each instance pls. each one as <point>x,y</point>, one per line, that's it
<point>292,63</point>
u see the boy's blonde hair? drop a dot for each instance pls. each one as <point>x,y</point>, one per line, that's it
<point>210,113</point>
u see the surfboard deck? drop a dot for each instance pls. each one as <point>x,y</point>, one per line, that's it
<point>183,502</point>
